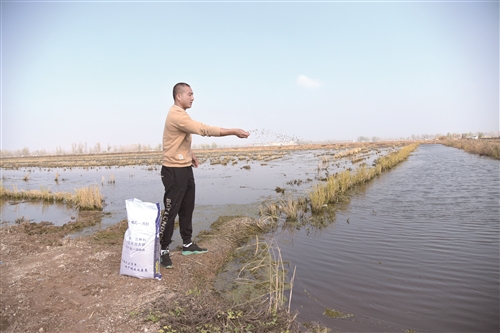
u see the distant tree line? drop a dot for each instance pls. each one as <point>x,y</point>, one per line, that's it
<point>83,148</point>
<point>206,146</point>
<point>470,135</point>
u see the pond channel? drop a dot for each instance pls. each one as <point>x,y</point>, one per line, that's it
<point>417,251</point>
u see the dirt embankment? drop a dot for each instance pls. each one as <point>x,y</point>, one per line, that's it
<point>53,284</point>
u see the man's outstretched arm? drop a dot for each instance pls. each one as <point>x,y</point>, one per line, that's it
<point>234,131</point>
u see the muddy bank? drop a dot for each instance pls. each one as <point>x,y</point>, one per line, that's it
<point>51,283</point>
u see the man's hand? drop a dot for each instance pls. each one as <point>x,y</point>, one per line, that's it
<point>234,131</point>
<point>241,133</point>
<point>194,161</point>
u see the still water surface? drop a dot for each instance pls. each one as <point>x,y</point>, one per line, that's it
<point>418,250</point>
<point>220,190</point>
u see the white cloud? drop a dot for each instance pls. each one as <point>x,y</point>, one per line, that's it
<point>304,81</point>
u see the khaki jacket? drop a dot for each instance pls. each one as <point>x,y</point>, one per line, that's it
<point>177,137</point>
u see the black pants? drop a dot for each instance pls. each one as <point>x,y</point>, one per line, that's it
<point>178,199</point>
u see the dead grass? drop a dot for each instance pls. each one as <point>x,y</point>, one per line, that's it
<point>337,185</point>
<point>334,189</point>
<point>87,198</point>
<point>203,309</point>
<point>482,147</point>
<point>347,152</point>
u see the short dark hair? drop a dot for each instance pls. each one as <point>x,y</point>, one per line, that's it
<point>178,87</point>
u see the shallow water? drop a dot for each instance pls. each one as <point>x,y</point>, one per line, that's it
<point>56,213</point>
<point>220,190</point>
<point>419,250</point>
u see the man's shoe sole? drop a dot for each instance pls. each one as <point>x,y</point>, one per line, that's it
<point>187,253</point>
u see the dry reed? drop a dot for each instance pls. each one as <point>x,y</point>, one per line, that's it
<point>256,302</point>
<point>482,147</point>
<point>267,263</point>
<point>337,185</point>
<point>348,152</point>
<point>334,188</point>
<point>87,198</point>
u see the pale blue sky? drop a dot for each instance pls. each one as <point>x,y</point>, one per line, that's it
<point>103,71</point>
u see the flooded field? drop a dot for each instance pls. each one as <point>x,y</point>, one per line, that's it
<point>416,250</point>
<point>228,182</point>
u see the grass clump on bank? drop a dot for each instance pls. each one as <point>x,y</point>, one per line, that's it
<point>482,147</point>
<point>251,299</point>
<point>86,198</point>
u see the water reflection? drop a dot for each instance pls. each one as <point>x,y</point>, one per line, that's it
<point>56,213</point>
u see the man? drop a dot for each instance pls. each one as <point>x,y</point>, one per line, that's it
<point>177,173</point>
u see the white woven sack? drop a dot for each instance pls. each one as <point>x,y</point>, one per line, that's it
<point>141,246</point>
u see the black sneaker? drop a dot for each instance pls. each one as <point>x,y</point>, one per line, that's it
<point>192,249</point>
<point>165,260</point>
